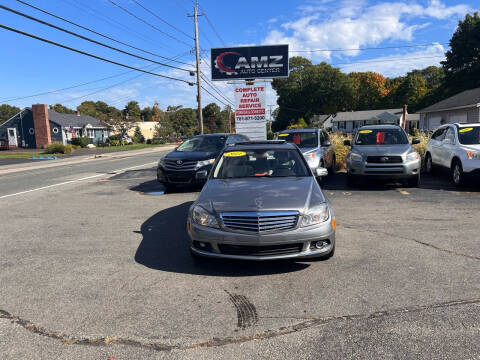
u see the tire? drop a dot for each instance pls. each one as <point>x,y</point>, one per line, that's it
<point>456,172</point>
<point>414,182</point>
<point>429,168</point>
<point>332,166</point>
<point>351,180</point>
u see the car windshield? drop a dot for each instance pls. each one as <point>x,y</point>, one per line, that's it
<point>381,137</point>
<point>260,163</point>
<point>301,139</point>
<point>203,144</point>
<point>469,135</point>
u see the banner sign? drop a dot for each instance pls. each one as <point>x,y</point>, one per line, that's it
<point>250,62</point>
<point>250,113</point>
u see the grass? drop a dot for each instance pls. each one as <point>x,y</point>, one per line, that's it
<point>28,155</point>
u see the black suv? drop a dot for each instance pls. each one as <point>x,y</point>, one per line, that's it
<point>190,163</point>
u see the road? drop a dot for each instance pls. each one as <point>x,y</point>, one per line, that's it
<point>99,267</point>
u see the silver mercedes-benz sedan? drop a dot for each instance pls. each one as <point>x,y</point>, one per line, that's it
<point>262,202</point>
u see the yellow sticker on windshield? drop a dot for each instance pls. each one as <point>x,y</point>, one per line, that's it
<point>365,131</point>
<point>279,135</point>
<point>465,130</point>
<point>235,153</point>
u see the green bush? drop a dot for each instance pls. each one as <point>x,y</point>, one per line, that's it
<point>81,141</point>
<point>115,137</point>
<point>157,141</point>
<point>138,136</point>
<point>58,148</point>
<point>114,142</point>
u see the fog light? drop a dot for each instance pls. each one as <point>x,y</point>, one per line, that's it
<point>202,245</point>
<point>319,244</point>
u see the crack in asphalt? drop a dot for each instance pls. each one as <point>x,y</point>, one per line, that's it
<point>451,252</point>
<point>215,342</point>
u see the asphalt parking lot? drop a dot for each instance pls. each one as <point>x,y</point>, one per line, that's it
<point>101,268</point>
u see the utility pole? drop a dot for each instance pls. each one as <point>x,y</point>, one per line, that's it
<point>199,85</point>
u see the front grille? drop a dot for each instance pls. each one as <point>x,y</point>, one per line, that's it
<point>270,250</point>
<point>260,221</point>
<point>384,159</point>
<point>185,165</point>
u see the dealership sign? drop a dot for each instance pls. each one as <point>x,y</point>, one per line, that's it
<point>250,62</point>
<point>250,113</point>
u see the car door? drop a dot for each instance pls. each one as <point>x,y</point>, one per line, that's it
<point>447,148</point>
<point>435,145</point>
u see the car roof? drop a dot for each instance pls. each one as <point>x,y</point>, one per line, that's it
<point>467,124</point>
<point>214,135</point>
<point>379,126</point>
<point>253,145</point>
<point>299,130</point>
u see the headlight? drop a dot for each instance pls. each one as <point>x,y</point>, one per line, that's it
<point>161,162</point>
<point>203,217</point>
<point>355,157</point>
<point>412,156</point>
<point>316,215</point>
<point>473,155</point>
<point>205,163</point>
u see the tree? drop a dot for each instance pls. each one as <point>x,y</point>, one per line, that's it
<point>369,89</point>
<point>132,111</point>
<point>212,118</point>
<point>462,64</point>
<point>59,108</point>
<point>138,136</point>
<point>7,111</point>
<point>157,113</point>
<point>410,91</point>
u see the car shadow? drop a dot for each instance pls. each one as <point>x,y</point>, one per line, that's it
<point>165,247</point>
<point>338,181</point>
<point>441,180</point>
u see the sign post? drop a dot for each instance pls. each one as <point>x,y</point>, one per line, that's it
<point>250,63</point>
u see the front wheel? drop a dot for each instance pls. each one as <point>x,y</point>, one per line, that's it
<point>428,164</point>
<point>332,166</point>
<point>457,173</point>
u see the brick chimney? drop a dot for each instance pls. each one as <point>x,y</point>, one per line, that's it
<point>41,125</point>
<point>77,113</point>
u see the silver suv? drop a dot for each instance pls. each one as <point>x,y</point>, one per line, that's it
<point>383,152</point>
<point>455,147</point>
<point>315,145</point>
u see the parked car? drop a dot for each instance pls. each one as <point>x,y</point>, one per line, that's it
<point>383,152</point>
<point>315,145</point>
<point>262,202</point>
<point>455,147</point>
<point>127,139</point>
<point>190,162</point>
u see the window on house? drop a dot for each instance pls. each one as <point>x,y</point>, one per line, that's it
<point>90,133</point>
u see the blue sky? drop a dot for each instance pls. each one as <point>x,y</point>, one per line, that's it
<point>30,67</point>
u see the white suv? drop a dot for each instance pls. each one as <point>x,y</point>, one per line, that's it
<point>457,148</point>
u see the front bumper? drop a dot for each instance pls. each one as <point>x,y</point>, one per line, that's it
<point>472,167</point>
<point>403,170</point>
<point>186,177</point>
<point>216,239</point>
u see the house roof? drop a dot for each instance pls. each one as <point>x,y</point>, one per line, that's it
<point>467,98</point>
<point>413,117</point>
<point>73,119</point>
<point>383,114</point>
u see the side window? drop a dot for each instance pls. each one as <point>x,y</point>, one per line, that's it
<point>231,140</point>
<point>450,135</point>
<point>239,138</point>
<point>439,134</point>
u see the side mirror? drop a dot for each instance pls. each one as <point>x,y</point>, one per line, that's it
<point>347,143</point>
<point>327,143</point>
<point>202,175</point>
<point>415,141</point>
<point>321,172</point>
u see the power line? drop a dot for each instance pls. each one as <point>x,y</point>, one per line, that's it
<point>147,23</point>
<point>369,48</point>
<point>90,55</point>
<point>213,27</point>
<point>216,89</point>
<point>89,39</point>
<point>162,20</point>
<point>97,33</point>
<point>208,92</point>
<point>178,3</point>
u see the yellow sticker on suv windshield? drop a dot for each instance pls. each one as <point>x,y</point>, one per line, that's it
<point>283,135</point>
<point>465,130</point>
<point>235,153</point>
<point>365,131</point>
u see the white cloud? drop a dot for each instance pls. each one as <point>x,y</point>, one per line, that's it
<point>397,65</point>
<point>354,24</point>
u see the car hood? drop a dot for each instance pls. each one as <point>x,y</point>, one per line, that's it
<point>382,150</point>
<point>260,194</point>
<point>191,155</point>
